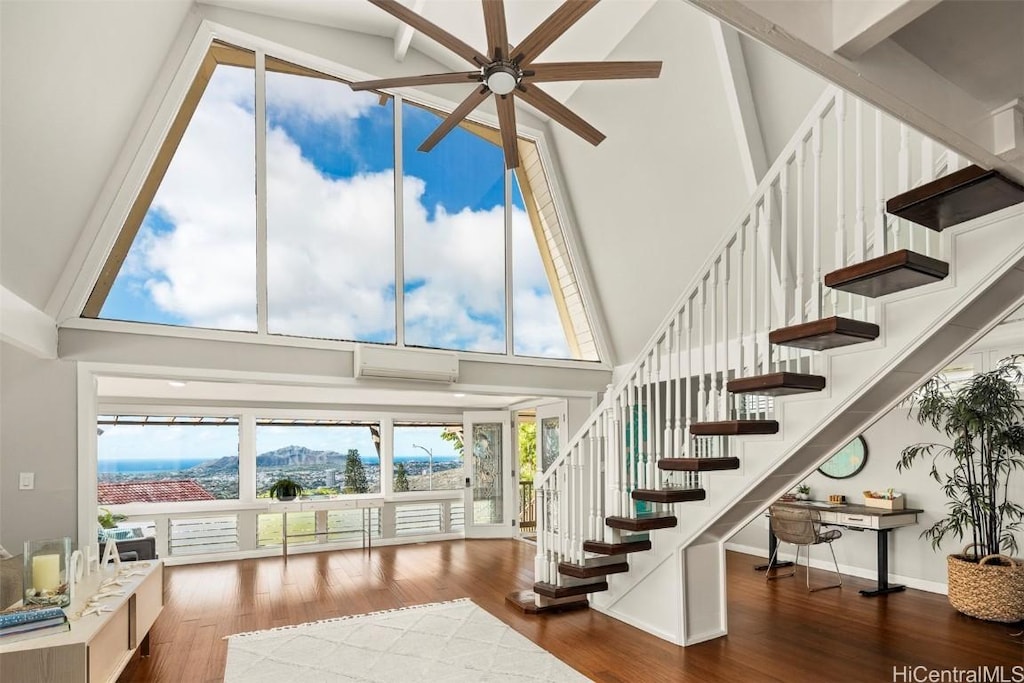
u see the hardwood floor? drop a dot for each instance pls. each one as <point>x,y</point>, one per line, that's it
<point>777,632</point>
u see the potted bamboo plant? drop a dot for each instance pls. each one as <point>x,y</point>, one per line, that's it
<point>981,420</point>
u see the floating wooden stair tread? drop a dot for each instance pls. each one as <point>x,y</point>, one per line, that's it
<point>895,272</point>
<point>669,495</point>
<point>827,333</point>
<point>602,548</point>
<point>642,523</point>
<point>955,198</point>
<point>734,428</point>
<point>776,384</point>
<point>698,464</point>
<point>589,571</point>
<point>526,602</point>
<point>550,590</point>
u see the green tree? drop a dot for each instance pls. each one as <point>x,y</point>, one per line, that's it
<point>527,450</point>
<point>355,473</point>
<point>453,435</point>
<point>401,478</point>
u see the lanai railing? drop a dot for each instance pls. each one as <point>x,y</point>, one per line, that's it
<point>819,208</point>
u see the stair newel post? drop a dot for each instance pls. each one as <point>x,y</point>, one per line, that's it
<point>816,223</point>
<point>904,185</point>
<point>625,433</point>
<point>540,562</point>
<point>880,236</point>
<point>840,233</point>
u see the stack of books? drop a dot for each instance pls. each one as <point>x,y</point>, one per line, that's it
<point>32,621</point>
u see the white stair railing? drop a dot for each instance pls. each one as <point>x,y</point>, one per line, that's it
<point>819,208</point>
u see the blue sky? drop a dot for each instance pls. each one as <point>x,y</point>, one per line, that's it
<point>331,226</point>
<point>176,443</point>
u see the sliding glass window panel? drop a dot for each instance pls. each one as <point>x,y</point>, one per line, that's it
<point>330,208</point>
<point>328,460</point>
<point>427,457</point>
<point>149,459</point>
<point>454,217</point>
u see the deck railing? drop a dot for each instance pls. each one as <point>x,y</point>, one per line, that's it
<point>819,208</point>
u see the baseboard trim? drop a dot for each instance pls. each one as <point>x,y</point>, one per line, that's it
<point>859,572</point>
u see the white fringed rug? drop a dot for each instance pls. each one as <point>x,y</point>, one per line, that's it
<point>453,641</point>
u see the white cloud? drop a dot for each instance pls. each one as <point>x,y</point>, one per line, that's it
<point>331,240</point>
<point>316,99</point>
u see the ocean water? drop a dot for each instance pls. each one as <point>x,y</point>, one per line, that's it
<point>140,466</point>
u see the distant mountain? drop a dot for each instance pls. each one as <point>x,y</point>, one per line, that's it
<point>283,457</point>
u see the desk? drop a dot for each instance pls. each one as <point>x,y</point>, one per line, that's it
<point>857,518</point>
<point>312,505</point>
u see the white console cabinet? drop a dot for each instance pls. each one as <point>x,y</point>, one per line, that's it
<point>98,646</point>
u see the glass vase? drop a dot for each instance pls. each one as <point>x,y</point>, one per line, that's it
<point>46,572</point>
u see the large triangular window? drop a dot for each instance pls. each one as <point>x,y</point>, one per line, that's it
<point>271,208</point>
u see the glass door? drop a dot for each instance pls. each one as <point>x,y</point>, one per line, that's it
<point>490,475</point>
<point>552,435</point>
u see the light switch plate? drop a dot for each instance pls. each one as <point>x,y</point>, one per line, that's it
<point>27,481</point>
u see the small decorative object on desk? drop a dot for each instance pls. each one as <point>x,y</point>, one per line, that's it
<point>888,499</point>
<point>787,497</point>
<point>46,572</point>
<point>836,499</point>
<point>803,492</point>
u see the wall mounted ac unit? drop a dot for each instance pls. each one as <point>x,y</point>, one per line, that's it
<point>386,363</point>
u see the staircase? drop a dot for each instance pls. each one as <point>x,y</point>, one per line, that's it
<point>817,313</point>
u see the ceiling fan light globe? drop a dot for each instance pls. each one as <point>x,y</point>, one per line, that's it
<point>501,82</point>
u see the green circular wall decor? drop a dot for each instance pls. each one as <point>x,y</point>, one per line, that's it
<point>847,461</point>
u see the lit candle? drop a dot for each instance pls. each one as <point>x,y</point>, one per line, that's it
<point>45,573</point>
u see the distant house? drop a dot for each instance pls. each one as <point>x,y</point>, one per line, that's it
<point>152,492</point>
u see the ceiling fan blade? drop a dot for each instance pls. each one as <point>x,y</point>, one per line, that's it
<point>428,79</point>
<point>431,30</point>
<point>550,29</point>
<point>559,112</point>
<point>497,33</point>
<point>592,71</point>
<point>507,124</point>
<point>455,118</point>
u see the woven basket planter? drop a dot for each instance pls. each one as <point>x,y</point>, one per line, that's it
<point>982,589</point>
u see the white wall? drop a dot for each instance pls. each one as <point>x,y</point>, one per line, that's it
<point>911,558</point>
<point>38,420</point>
<point>654,197</point>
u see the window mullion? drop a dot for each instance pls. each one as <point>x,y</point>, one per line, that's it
<point>509,348</point>
<point>399,227</point>
<point>261,194</point>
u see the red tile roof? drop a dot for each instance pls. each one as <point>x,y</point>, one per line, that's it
<point>151,492</point>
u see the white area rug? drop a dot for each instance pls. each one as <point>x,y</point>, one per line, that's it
<point>444,641</point>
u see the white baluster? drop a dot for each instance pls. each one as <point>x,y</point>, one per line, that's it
<point>769,285</point>
<point>678,433</point>
<point>880,249</point>
<point>656,423</point>
<point>840,191</point>
<point>904,183</point>
<point>741,267</point>
<point>816,223</point>
<point>723,409</point>
<point>859,230</point>
<point>927,175</point>
<point>713,344</point>
<point>702,382</point>
<point>649,414</point>
<point>783,354</point>
<point>688,350</point>
<point>752,298</point>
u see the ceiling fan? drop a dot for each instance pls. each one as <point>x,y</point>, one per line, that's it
<point>508,71</point>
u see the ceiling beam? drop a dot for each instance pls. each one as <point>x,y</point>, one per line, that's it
<point>740,101</point>
<point>404,33</point>
<point>859,26</point>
